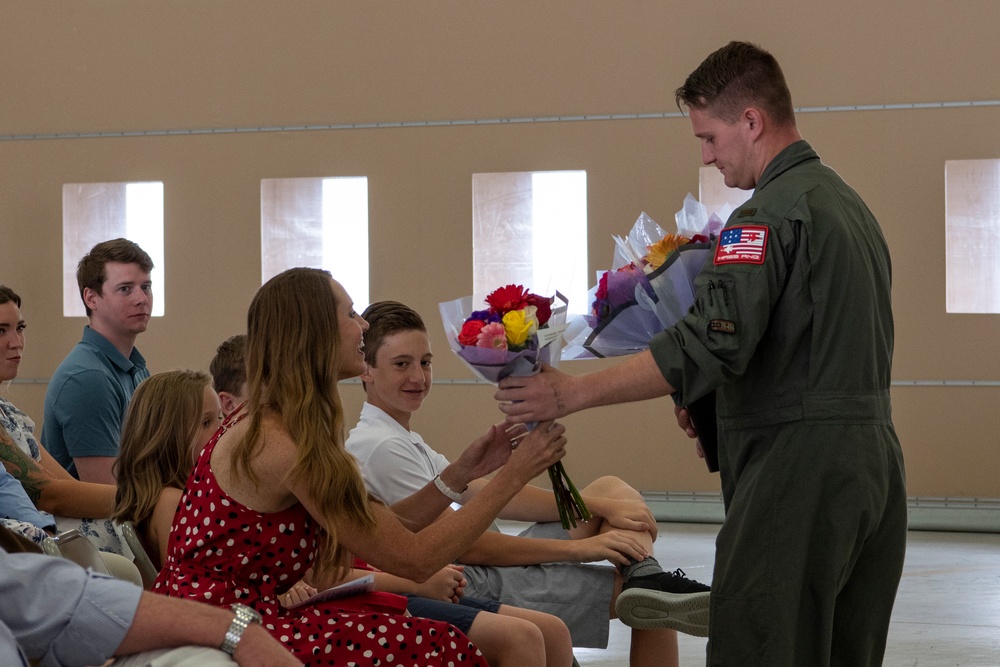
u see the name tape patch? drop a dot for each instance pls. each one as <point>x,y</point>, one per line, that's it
<point>722,326</point>
<point>742,245</point>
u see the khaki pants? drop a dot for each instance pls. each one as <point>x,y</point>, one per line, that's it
<point>187,656</point>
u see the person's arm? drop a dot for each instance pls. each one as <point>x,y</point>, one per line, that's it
<point>552,394</point>
<point>498,549</point>
<point>162,622</point>
<point>95,469</point>
<point>393,548</point>
<point>420,507</point>
<point>397,473</point>
<point>538,505</point>
<point>447,584</point>
<point>15,504</point>
<point>160,521</point>
<point>51,488</point>
<point>62,614</point>
<point>530,504</point>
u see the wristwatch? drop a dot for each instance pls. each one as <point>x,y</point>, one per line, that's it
<point>244,617</point>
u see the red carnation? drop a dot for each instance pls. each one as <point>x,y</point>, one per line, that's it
<point>544,306</point>
<point>508,298</point>
<point>602,287</point>
<point>470,332</point>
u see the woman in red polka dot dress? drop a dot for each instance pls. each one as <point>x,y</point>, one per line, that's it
<point>275,494</point>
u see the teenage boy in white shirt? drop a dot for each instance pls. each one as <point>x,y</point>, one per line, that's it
<point>545,568</point>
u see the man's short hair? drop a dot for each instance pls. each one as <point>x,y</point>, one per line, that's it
<point>90,272</point>
<point>229,365</point>
<point>7,295</point>
<point>384,319</point>
<point>737,76</point>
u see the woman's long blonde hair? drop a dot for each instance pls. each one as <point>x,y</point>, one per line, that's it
<point>293,365</point>
<point>160,424</point>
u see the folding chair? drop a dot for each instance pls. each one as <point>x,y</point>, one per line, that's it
<point>142,560</point>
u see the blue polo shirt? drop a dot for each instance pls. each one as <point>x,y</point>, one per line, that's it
<point>86,400</point>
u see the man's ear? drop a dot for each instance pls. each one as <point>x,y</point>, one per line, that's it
<point>754,120</point>
<point>366,376</point>
<point>90,297</point>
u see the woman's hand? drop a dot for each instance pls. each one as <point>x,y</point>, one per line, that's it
<point>540,448</point>
<point>485,454</point>
<point>447,584</point>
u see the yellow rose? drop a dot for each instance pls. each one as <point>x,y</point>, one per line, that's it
<point>516,327</point>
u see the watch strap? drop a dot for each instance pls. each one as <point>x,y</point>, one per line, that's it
<point>244,617</point>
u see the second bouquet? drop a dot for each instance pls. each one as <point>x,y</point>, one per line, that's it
<point>513,336</point>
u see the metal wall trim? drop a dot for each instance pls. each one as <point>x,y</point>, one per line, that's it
<point>464,122</point>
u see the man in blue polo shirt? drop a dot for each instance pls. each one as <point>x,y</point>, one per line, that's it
<point>90,390</point>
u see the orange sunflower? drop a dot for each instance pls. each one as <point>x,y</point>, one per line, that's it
<point>657,253</point>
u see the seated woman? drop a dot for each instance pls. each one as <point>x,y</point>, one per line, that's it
<point>504,634</point>
<point>75,504</point>
<point>168,422</point>
<point>275,492</point>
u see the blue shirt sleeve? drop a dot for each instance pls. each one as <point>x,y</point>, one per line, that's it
<point>60,613</point>
<point>15,504</point>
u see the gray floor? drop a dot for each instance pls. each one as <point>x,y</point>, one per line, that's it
<point>947,611</point>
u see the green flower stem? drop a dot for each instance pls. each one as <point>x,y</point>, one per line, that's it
<point>554,479</point>
<point>580,505</point>
<point>569,502</point>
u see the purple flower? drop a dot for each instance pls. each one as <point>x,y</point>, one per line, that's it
<point>621,284</point>
<point>489,315</point>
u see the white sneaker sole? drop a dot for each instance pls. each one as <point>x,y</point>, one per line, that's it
<point>646,609</point>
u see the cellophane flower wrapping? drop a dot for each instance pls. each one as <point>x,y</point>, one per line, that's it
<point>512,337</point>
<point>649,287</point>
<point>623,322</point>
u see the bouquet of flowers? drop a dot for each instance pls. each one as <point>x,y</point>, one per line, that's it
<point>513,336</point>
<point>649,288</point>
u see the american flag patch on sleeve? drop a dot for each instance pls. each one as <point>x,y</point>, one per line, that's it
<point>742,245</point>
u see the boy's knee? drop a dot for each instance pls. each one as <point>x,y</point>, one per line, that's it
<point>610,486</point>
<point>554,628</point>
<point>527,635</point>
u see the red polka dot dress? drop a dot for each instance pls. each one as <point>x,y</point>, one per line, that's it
<point>222,552</point>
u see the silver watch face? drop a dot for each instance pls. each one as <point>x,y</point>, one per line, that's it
<point>251,614</point>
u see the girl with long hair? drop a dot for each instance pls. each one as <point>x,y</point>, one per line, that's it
<point>169,420</point>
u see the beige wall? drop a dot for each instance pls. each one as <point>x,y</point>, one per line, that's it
<point>112,67</point>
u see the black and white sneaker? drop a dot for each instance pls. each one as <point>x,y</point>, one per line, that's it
<point>665,600</point>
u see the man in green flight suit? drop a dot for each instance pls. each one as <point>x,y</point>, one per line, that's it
<point>793,327</point>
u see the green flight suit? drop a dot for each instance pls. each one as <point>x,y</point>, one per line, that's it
<point>793,327</point>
